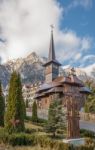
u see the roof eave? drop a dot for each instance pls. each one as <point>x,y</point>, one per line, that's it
<point>52,61</point>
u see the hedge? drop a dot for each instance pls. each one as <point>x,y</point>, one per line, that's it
<point>41,140</point>
<point>21,139</point>
<point>86,133</point>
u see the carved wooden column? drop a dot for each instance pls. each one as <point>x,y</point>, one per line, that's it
<point>73,129</point>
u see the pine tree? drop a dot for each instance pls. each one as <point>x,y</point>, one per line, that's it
<point>90,101</point>
<point>34,112</point>
<point>56,117</point>
<point>15,114</point>
<point>2,107</point>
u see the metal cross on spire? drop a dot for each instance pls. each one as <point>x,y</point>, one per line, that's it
<point>52,27</point>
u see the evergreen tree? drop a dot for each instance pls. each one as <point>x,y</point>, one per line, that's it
<point>15,114</point>
<point>2,107</point>
<point>21,96</point>
<point>27,103</point>
<point>56,117</point>
<point>90,102</point>
<point>34,112</point>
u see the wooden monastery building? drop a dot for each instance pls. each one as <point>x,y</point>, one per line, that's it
<point>70,89</point>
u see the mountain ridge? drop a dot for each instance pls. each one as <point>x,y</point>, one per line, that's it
<point>31,69</point>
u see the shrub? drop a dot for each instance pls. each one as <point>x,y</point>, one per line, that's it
<point>40,122</point>
<point>42,140</point>
<point>21,139</point>
<point>40,130</point>
<point>29,131</point>
<point>89,141</point>
<point>28,118</point>
<point>84,147</point>
<point>3,136</point>
<point>86,133</point>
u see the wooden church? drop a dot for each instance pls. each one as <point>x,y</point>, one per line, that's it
<point>69,89</point>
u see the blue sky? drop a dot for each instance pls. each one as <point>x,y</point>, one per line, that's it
<point>25,28</point>
<point>80,19</point>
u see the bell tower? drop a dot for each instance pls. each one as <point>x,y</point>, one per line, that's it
<point>52,65</point>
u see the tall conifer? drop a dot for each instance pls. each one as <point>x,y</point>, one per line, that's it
<point>34,112</point>
<point>14,117</point>
<point>56,117</point>
<point>2,107</point>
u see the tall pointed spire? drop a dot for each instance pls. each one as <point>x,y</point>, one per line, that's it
<point>51,56</point>
<point>51,48</point>
<point>52,65</point>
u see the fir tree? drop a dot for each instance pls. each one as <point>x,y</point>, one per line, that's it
<point>56,117</point>
<point>90,101</point>
<point>2,107</point>
<point>34,112</point>
<point>15,114</point>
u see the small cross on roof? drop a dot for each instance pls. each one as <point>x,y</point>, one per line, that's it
<point>73,72</point>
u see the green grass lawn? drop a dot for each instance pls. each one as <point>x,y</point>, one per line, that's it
<point>29,125</point>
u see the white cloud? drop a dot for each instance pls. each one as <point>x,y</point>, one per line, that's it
<point>89,69</point>
<point>86,43</point>
<point>86,4</point>
<point>78,56</point>
<point>90,58</point>
<point>66,67</point>
<point>71,46</point>
<point>25,26</point>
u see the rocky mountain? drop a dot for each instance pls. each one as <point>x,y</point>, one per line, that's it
<point>31,69</point>
<point>4,74</point>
